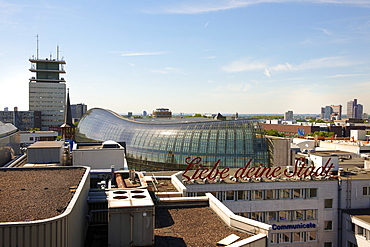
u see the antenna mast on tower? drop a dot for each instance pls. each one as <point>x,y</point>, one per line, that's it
<point>57,52</point>
<point>37,46</point>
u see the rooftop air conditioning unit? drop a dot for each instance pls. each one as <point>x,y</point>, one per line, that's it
<point>130,218</point>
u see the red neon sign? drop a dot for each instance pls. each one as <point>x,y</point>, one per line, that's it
<point>256,172</point>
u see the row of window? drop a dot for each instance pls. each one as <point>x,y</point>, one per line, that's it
<point>273,194</point>
<point>288,215</point>
<point>293,237</point>
<point>358,230</point>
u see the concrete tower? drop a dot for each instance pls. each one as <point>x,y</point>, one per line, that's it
<point>47,91</point>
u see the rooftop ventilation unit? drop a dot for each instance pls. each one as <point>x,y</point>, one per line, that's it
<point>130,218</point>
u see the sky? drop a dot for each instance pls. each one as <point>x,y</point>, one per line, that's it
<point>192,56</point>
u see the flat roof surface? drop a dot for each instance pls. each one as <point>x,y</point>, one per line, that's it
<point>29,194</point>
<point>362,214</point>
<point>198,226</point>
<point>173,120</point>
<point>46,144</point>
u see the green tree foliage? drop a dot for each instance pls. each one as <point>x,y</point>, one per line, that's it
<point>321,133</point>
<point>273,132</point>
<point>267,117</point>
<point>35,129</point>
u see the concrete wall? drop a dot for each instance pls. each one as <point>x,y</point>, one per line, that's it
<point>100,158</point>
<point>66,230</point>
<point>45,155</point>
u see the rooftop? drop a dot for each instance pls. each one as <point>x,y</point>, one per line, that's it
<point>362,214</point>
<point>198,226</point>
<point>174,120</point>
<point>29,194</point>
<point>46,144</point>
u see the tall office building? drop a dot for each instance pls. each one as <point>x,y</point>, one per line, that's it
<point>337,109</point>
<point>47,91</point>
<point>333,112</point>
<point>78,110</point>
<point>359,111</point>
<point>288,115</point>
<point>354,110</point>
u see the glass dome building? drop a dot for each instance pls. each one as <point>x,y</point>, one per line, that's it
<point>164,144</point>
<point>9,142</point>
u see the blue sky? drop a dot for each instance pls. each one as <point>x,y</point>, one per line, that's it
<point>260,56</point>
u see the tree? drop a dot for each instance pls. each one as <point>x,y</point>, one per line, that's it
<point>321,133</point>
<point>273,132</point>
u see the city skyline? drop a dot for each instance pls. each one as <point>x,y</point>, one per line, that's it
<point>193,56</point>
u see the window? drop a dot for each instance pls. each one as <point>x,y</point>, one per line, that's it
<point>271,216</point>
<point>328,244</point>
<point>257,216</point>
<point>298,193</point>
<point>270,194</point>
<point>284,237</point>
<point>284,194</point>
<point>361,231</point>
<point>311,236</point>
<point>298,236</point>
<point>310,214</point>
<point>229,195</point>
<point>284,215</point>
<point>243,195</point>
<point>350,244</point>
<point>328,203</point>
<point>298,215</point>
<point>257,194</point>
<point>366,191</point>
<point>275,238</point>
<point>328,225</point>
<point>311,193</point>
<point>350,226</point>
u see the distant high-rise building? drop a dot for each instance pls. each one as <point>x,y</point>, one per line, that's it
<point>47,91</point>
<point>288,115</point>
<point>129,114</point>
<point>78,110</point>
<point>359,110</point>
<point>333,112</point>
<point>354,110</point>
<point>23,120</point>
<point>145,113</point>
<point>337,109</point>
<point>162,113</point>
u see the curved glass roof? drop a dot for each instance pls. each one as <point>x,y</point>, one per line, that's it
<point>165,145</point>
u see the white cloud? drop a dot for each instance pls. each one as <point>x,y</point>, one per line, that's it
<point>324,31</point>
<point>347,75</point>
<point>132,54</point>
<point>244,65</point>
<point>326,62</point>
<point>319,63</point>
<point>198,7</point>
<point>169,70</point>
<point>240,87</point>
<point>267,73</point>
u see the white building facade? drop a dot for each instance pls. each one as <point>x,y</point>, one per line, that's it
<point>307,211</point>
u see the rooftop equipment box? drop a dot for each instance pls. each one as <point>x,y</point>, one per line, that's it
<point>100,157</point>
<point>45,152</point>
<point>130,218</point>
